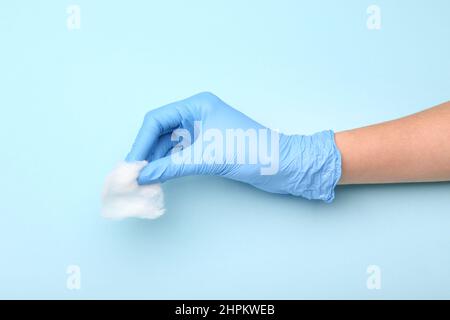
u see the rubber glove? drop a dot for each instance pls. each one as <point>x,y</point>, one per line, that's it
<point>308,165</point>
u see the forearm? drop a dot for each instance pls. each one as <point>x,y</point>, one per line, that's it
<point>415,148</point>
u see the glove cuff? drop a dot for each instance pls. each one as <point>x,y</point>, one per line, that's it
<point>319,168</point>
<point>332,171</point>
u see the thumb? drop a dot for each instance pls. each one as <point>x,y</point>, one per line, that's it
<point>168,167</point>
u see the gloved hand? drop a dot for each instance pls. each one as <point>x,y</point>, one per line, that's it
<point>307,166</point>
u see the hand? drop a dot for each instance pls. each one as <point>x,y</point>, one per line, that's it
<point>202,135</point>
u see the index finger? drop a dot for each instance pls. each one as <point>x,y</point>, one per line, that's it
<point>156,123</point>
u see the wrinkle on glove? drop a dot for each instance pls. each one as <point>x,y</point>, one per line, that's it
<point>320,165</point>
<point>124,198</point>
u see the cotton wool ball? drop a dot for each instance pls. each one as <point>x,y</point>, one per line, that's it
<point>123,197</point>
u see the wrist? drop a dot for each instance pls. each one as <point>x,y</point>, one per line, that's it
<point>312,164</point>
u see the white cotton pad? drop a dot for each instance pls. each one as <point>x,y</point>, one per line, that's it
<point>124,198</point>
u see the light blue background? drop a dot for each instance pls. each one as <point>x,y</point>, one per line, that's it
<point>72,102</point>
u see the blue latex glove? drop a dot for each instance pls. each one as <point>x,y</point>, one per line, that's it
<point>308,166</point>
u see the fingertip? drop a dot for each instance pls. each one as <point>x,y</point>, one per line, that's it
<point>130,158</point>
<point>143,180</point>
<point>138,152</point>
<point>146,176</point>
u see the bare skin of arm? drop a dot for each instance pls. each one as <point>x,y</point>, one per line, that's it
<point>415,148</point>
